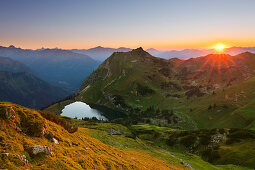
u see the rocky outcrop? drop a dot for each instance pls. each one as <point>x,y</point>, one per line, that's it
<point>55,141</point>
<point>37,149</point>
<point>9,113</point>
<point>5,154</point>
<point>22,158</point>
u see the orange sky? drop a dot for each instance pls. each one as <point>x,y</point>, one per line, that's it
<point>158,45</point>
<point>157,24</point>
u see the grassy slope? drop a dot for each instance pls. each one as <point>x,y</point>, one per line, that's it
<point>134,67</point>
<point>236,111</point>
<point>234,108</point>
<point>119,136</point>
<point>239,152</point>
<point>75,151</point>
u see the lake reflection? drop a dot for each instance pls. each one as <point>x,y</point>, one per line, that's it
<point>81,110</point>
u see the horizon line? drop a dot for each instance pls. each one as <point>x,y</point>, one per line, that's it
<point>169,49</point>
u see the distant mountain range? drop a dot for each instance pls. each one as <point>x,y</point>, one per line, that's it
<point>67,68</point>
<point>19,85</point>
<point>100,53</point>
<point>192,53</point>
<point>62,68</point>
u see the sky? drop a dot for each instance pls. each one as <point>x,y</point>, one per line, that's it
<point>160,24</point>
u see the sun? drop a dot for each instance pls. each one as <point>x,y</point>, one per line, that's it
<point>220,48</point>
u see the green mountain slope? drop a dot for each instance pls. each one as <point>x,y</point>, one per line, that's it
<point>217,146</point>
<point>212,91</point>
<point>193,148</point>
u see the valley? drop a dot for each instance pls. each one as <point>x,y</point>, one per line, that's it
<point>28,90</point>
<point>61,68</point>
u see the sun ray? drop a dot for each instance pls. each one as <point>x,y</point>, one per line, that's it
<point>202,66</point>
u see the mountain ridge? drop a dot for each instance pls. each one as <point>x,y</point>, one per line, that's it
<point>7,64</point>
<point>62,68</point>
<point>26,89</point>
<point>153,89</point>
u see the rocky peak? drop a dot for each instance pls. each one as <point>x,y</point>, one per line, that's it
<point>140,49</point>
<point>12,46</point>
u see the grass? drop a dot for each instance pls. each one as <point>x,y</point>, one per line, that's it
<point>112,140</point>
<point>236,148</point>
<point>75,150</point>
<point>151,146</point>
<point>123,73</point>
<point>241,153</point>
<point>231,107</point>
<point>152,127</point>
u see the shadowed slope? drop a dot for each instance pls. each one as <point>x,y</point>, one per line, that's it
<point>28,90</point>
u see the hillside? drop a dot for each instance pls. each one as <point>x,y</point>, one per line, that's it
<point>28,90</point>
<point>29,141</point>
<point>61,68</point>
<point>7,64</point>
<point>217,146</point>
<point>203,92</point>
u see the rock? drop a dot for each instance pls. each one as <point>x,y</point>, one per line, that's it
<point>41,149</point>
<point>55,141</point>
<point>22,158</point>
<point>5,154</point>
<point>75,144</point>
<point>9,113</point>
<point>3,144</point>
<point>43,132</point>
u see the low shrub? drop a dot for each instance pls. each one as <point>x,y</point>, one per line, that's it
<point>58,120</point>
<point>211,154</point>
<point>205,139</point>
<point>31,124</point>
<point>144,90</point>
<point>242,134</point>
<point>188,140</point>
<point>237,135</point>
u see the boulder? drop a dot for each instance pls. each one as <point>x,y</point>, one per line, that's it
<point>9,113</point>
<point>43,131</point>
<point>5,154</point>
<point>41,149</point>
<point>22,158</point>
<point>55,141</point>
